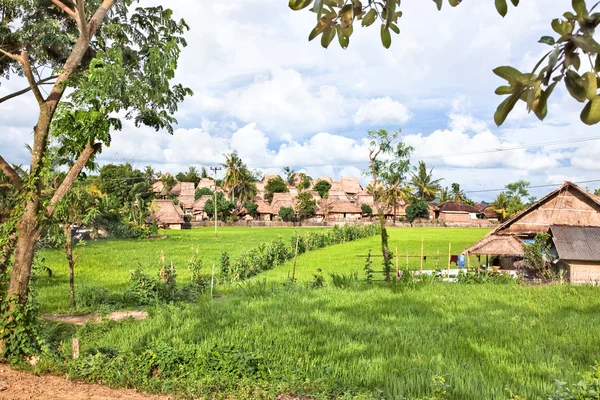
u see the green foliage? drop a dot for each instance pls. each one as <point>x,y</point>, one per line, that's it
<point>489,276</point>
<point>509,203</point>
<point>203,192</point>
<point>588,388</point>
<point>538,256</point>
<point>366,209</point>
<point>287,214</point>
<point>322,187</point>
<point>224,207</point>
<point>290,175</point>
<point>198,281</point>
<point>143,288</point>
<point>368,268</point>
<point>275,185</point>
<point>306,206</point>
<point>318,281</point>
<point>225,263</point>
<point>305,182</point>
<point>344,281</point>
<point>252,208</point>
<point>425,187</point>
<point>190,176</point>
<point>418,208</point>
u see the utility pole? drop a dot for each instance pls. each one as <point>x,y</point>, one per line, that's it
<point>215,169</point>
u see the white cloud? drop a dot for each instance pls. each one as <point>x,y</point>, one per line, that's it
<point>383,110</point>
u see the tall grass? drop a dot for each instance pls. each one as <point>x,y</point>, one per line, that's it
<point>366,341</point>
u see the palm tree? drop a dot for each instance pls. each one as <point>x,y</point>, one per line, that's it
<point>233,172</point>
<point>246,188</point>
<point>444,195</point>
<point>501,204</point>
<point>422,181</point>
<point>457,194</point>
<point>203,173</point>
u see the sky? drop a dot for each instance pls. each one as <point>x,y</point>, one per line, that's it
<point>261,89</point>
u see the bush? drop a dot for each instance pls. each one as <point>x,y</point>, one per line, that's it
<point>366,209</point>
<point>287,214</point>
<point>418,208</point>
<point>142,287</point>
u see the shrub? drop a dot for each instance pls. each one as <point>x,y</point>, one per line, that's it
<point>418,208</point>
<point>344,281</point>
<point>142,287</point>
<point>366,209</point>
<point>252,208</point>
<point>287,214</point>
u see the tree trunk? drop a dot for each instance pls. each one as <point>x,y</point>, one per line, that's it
<point>69,254</point>
<point>385,249</point>
<point>7,252</point>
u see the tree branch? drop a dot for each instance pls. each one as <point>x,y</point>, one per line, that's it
<point>81,20</point>
<point>10,55</point>
<point>67,183</point>
<point>31,78</point>
<point>98,16</point>
<point>27,89</point>
<point>11,173</point>
<point>65,9</point>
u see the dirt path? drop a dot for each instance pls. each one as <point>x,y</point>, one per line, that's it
<point>16,385</point>
<point>83,319</point>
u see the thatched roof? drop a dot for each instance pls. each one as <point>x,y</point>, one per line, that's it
<point>281,200</point>
<point>452,206</point>
<point>166,212</point>
<point>158,188</point>
<point>198,205</point>
<point>568,205</point>
<point>576,242</point>
<point>344,207</point>
<point>263,207</point>
<point>497,245</point>
<point>350,185</point>
<point>268,177</point>
<point>206,183</point>
<point>176,190</point>
<point>186,194</point>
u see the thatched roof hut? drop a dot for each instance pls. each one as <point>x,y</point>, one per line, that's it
<point>350,186</point>
<point>506,245</point>
<point>166,213</point>
<point>186,194</point>
<point>198,206</point>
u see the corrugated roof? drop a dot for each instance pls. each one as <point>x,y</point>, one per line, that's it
<point>576,242</point>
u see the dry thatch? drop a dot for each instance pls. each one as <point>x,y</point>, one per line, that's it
<point>166,212</point>
<point>263,207</point>
<point>198,205</point>
<point>350,185</point>
<point>206,183</point>
<point>344,207</point>
<point>497,245</point>
<point>568,205</point>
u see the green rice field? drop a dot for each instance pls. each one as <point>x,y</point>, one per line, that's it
<point>265,337</point>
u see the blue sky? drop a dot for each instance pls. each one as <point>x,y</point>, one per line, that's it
<point>262,89</point>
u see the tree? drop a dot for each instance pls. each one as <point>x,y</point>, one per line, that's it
<point>190,176</point>
<point>538,256</point>
<point>322,187</point>
<point>224,207</point>
<point>305,182</point>
<point>113,60</point>
<point>457,194</point>
<point>287,214</point>
<point>306,206</point>
<point>425,186</point>
<point>275,185</point>
<point>444,195</point>
<point>234,173</point>
<point>246,189</point>
<point>418,208</point>
<point>510,202</point>
<point>597,192</point>
<point>563,62</point>
<point>290,175</point>
<point>202,192</point>
<point>118,180</point>
<point>149,174</point>
<point>168,182</point>
<point>500,205</point>
<point>366,209</point>
<point>252,208</point>
<point>389,162</point>
<point>204,173</point>
<point>79,207</point>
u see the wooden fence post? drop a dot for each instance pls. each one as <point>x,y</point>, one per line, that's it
<point>295,257</point>
<point>75,348</point>
<point>422,244</point>
<point>212,281</point>
<point>397,270</point>
<point>450,255</point>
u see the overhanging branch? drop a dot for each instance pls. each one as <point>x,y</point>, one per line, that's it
<point>30,78</point>
<point>65,9</point>
<point>11,173</point>
<point>67,183</point>
<point>27,89</point>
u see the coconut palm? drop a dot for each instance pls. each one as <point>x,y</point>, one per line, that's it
<point>234,172</point>
<point>444,195</point>
<point>501,205</point>
<point>457,194</point>
<point>423,183</point>
<point>246,189</point>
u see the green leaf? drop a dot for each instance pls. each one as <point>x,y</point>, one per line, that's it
<point>342,39</point>
<point>386,37</point>
<point>509,73</point>
<point>561,27</point>
<point>541,109</point>
<point>454,3</point>
<point>438,3</point>
<point>589,85</point>
<point>569,15</point>
<point>586,43</point>
<point>515,2</point>
<point>575,86</point>
<point>597,63</point>
<point>299,4</point>
<point>369,18</point>
<point>590,114</point>
<point>395,28</point>
<point>327,37</point>
<point>580,8</point>
<point>318,8</point>
<point>391,9</point>
<point>501,7</point>
<point>505,108</point>
<point>549,40</point>
<point>315,32</point>
<point>573,60</point>
<point>504,90</point>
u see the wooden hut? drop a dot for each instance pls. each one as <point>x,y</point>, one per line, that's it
<point>344,211</point>
<point>198,207</point>
<point>578,252</point>
<point>453,211</point>
<point>166,214</point>
<point>186,195</point>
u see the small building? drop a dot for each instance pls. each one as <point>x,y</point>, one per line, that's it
<point>578,252</point>
<point>264,212</point>
<point>166,214</point>
<point>186,195</point>
<point>198,207</point>
<point>344,211</point>
<point>452,211</point>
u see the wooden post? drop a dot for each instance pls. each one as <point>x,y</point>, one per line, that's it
<point>212,281</point>
<point>397,270</point>
<point>75,348</point>
<point>295,257</point>
<point>468,261</point>
<point>422,244</point>
<point>449,255</point>
<point>407,260</point>
<point>437,259</point>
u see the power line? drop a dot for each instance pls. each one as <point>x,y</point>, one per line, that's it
<point>530,187</point>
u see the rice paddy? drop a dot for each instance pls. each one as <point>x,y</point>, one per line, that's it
<point>265,337</point>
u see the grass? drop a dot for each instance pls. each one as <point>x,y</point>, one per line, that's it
<point>369,340</point>
<point>343,259</point>
<point>107,263</point>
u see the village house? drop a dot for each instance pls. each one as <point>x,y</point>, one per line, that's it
<point>452,211</point>
<point>166,214</point>
<point>564,212</point>
<point>198,207</point>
